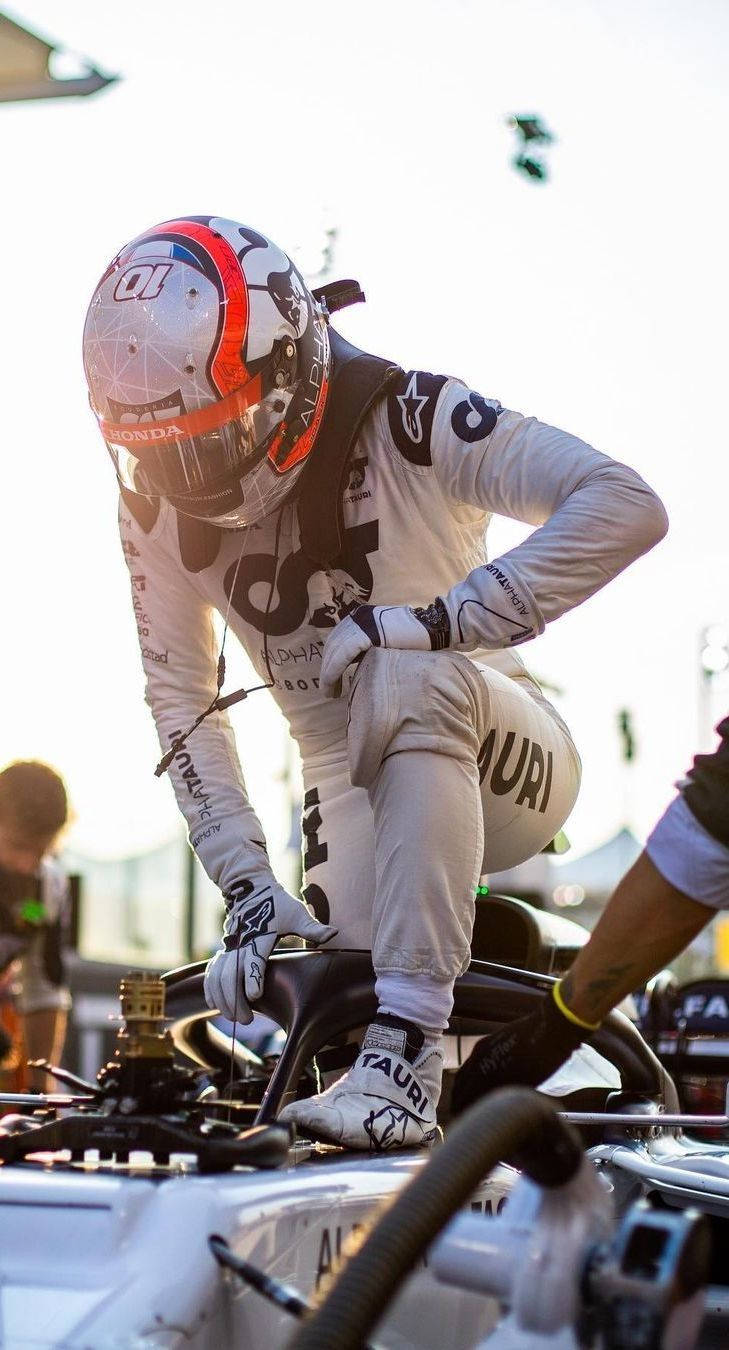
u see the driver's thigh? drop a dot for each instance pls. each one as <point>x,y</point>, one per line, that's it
<point>338,846</point>
<point>529,771</point>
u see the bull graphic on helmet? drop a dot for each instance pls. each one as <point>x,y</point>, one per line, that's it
<point>288,293</point>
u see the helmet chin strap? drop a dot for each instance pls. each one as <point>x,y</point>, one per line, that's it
<point>219,704</point>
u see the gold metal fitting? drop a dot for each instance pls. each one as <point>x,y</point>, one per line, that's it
<point>143,1034</point>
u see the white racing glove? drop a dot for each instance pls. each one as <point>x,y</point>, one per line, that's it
<point>258,914</point>
<point>415,630</point>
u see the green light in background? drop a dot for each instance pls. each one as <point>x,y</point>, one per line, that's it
<point>32,911</point>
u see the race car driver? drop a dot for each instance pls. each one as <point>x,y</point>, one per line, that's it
<point>669,894</point>
<point>333,509</point>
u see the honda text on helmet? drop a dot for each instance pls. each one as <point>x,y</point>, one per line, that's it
<point>207,360</point>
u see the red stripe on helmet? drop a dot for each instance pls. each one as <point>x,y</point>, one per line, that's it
<point>306,440</point>
<point>226,366</point>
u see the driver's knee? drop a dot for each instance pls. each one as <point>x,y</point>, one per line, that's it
<point>402,700</point>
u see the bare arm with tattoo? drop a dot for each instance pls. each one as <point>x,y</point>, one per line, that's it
<point>646,923</point>
<point>676,886</point>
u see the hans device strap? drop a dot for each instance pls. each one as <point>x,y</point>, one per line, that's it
<point>338,295</point>
<point>358,381</point>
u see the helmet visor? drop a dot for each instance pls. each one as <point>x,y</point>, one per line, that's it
<point>187,454</point>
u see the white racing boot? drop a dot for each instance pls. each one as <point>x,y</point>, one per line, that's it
<point>386,1100</point>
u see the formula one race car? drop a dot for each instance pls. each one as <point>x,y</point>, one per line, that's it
<point>163,1206</point>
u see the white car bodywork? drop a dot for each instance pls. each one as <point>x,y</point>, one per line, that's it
<point>115,1256</point>
<point>105,1259</point>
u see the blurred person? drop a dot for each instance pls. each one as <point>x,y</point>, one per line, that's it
<point>669,894</point>
<point>33,905</point>
<point>332,508</point>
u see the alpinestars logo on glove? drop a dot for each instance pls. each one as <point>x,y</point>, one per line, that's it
<point>252,924</point>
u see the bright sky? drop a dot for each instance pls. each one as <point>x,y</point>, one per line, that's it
<point>597,302</point>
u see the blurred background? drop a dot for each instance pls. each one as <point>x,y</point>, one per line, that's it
<point>533,198</point>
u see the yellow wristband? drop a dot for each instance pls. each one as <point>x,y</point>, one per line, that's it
<point>567,1012</point>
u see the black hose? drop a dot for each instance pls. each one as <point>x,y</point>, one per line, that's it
<point>499,1127</point>
<point>282,1295</point>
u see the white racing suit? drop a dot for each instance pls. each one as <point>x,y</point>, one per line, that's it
<point>440,765</point>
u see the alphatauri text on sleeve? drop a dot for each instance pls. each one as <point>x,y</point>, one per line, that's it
<point>179,656</point>
<point>594,516</point>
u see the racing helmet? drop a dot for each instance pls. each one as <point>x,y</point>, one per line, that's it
<point>207,360</point>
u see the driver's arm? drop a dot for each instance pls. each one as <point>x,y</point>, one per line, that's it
<point>646,923</point>
<point>594,516</point>
<point>676,886</point>
<point>179,656</point>
<point>674,889</point>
